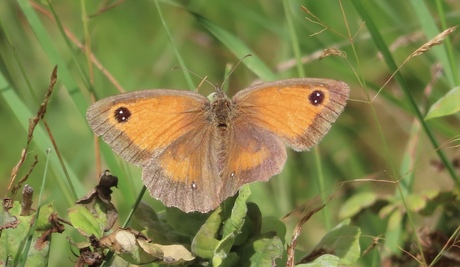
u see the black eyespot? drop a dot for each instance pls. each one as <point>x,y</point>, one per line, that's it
<point>316,98</point>
<point>122,114</point>
<point>194,186</point>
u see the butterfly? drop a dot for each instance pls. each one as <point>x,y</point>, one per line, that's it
<point>195,152</point>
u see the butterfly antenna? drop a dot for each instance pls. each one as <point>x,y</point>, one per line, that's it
<point>201,83</point>
<point>203,80</point>
<point>232,70</point>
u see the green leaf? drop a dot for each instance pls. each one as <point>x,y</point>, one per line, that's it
<point>43,218</point>
<point>170,254</point>
<point>231,214</point>
<point>326,260</point>
<point>415,202</point>
<point>185,223</point>
<point>222,255</point>
<point>261,251</point>
<point>156,227</point>
<point>342,241</point>
<point>446,105</point>
<point>236,220</point>
<point>205,242</point>
<point>86,222</point>
<point>273,224</point>
<point>393,235</point>
<point>12,239</point>
<point>388,209</point>
<point>252,224</point>
<point>356,203</point>
<point>232,228</point>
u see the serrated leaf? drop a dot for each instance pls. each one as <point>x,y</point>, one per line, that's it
<point>446,105</point>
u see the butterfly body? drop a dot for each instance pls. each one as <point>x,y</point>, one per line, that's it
<point>196,152</point>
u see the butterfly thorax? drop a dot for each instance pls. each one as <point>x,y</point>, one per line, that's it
<point>222,111</point>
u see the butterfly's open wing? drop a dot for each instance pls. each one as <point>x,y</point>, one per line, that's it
<point>168,133</point>
<point>189,165</point>
<point>254,154</point>
<point>138,125</point>
<point>299,111</point>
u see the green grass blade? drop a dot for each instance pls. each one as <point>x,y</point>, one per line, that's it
<point>182,64</point>
<point>430,29</point>
<point>238,48</point>
<point>52,53</point>
<point>383,48</point>
<point>41,139</point>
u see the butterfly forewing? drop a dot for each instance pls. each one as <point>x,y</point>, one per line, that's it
<point>299,111</point>
<point>138,125</point>
<point>169,134</point>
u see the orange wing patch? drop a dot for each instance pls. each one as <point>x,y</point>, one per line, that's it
<point>183,160</point>
<point>157,122</point>
<point>286,108</point>
<point>300,111</point>
<point>254,154</point>
<point>140,124</point>
<point>185,174</point>
<point>249,157</point>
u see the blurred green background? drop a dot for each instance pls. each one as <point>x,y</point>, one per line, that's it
<point>139,42</point>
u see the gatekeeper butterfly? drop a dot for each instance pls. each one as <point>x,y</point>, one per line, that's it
<point>195,152</point>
